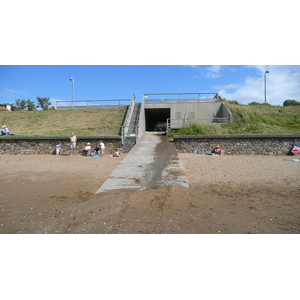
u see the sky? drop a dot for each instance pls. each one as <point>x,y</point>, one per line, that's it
<point>243,83</point>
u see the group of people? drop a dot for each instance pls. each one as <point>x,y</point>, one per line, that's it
<point>4,130</point>
<point>99,149</point>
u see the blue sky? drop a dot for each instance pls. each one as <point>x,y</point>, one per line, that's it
<point>100,82</point>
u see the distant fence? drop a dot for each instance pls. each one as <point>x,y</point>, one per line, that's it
<point>82,104</point>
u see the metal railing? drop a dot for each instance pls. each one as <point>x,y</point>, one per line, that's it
<point>126,124</point>
<point>128,117</point>
<point>180,97</point>
<point>125,135</point>
<point>135,130</point>
<point>82,104</point>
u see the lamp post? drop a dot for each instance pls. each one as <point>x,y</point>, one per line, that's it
<point>72,79</point>
<point>265,81</point>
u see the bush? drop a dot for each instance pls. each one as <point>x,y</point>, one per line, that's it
<point>254,103</point>
<point>291,103</point>
<point>160,126</point>
<point>233,102</point>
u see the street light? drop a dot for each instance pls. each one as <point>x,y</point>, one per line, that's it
<point>72,79</point>
<point>267,71</point>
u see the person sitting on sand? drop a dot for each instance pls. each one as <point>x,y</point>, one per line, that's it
<point>86,149</point>
<point>5,130</point>
<point>117,153</point>
<point>218,150</point>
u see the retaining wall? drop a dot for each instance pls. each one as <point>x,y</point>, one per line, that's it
<point>237,144</point>
<point>46,145</point>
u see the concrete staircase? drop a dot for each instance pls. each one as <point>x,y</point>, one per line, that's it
<point>134,122</point>
<point>130,132</point>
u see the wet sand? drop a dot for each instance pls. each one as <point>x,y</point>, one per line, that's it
<point>226,195</point>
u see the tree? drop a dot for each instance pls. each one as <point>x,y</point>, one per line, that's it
<point>44,102</point>
<point>21,104</point>
<point>291,103</point>
<point>30,105</point>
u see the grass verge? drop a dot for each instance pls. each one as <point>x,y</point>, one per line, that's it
<point>258,119</point>
<point>83,122</point>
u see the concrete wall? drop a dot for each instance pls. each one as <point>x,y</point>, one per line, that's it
<point>181,113</point>
<point>224,112</point>
<point>201,109</point>
<point>46,145</point>
<point>142,128</point>
<point>238,144</point>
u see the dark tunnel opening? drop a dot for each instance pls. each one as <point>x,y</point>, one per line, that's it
<point>156,115</point>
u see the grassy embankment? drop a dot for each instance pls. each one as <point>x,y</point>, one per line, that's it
<point>83,122</point>
<point>247,119</point>
<point>251,119</point>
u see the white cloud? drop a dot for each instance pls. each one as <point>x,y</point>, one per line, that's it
<point>282,83</point>
<point>213,72</point>
<point>209,72</point>
<point>214,69</point>
<point>15,92</point>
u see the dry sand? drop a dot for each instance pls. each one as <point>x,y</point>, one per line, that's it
<point>226,194</point>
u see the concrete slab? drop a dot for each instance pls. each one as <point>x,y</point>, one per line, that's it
<point>152,162</point>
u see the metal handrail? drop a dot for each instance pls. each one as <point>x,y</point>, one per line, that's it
<point>180,98</point>
<point>126,124</point>
<point>128,117</point>
<point>125,135</point>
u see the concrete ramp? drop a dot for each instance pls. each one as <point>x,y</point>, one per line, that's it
<point>152,162</point>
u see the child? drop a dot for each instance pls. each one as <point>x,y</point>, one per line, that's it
<point>117,153</point>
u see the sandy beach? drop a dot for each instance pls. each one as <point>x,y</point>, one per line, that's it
<point>226,195</point>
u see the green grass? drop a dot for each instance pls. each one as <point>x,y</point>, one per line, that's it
<point>254,119</point>
<point>247,119</point>
<point>83,122</point>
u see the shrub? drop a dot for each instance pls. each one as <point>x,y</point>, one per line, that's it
<point>291,103</point>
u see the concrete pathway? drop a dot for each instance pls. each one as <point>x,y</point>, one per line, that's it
<point>152,162</point>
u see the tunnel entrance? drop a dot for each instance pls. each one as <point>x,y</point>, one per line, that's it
<point>156,115</point>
